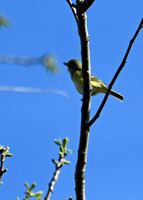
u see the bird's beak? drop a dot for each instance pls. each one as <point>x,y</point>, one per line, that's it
<point>65,63</point>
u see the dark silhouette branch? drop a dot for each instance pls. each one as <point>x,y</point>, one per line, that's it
<point>84,132</point>
<point>2,167</point>
<point>83,6</point>
<point>73,10</point>
<point>116,74</point>
<point>81,20</point>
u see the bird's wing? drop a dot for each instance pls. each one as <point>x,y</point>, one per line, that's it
<point>95,81</point>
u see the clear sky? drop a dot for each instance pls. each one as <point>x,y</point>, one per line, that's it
<point>29,123</point>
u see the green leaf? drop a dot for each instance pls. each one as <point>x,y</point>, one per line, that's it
<point>58,142</point>
<point>27,185</point>
<point>32,186</point>
<point>61,153</point>
<point>9,154</point>
<point>65,142</point>
<point>67,162</point>
<point>62,148</point>
<point>38,194</point>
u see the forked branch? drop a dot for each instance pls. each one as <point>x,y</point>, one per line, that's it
<point>81,19</point>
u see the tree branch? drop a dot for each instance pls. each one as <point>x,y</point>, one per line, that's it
<point>73,10</point>
<point>116,74</point>
<point>58,165</point>
<point>84,5</point>
<point>4,152</point>
<point>84,133</point>
<point>81,20</point>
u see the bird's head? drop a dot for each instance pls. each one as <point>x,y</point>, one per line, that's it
<point>73,65</point>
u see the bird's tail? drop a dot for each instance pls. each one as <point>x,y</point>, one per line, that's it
<point>117,95</point>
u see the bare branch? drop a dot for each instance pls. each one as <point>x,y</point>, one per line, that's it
<point>81,19</point>
<point>116,74</point>
<point>83,6</point>
<point>84,133</point>
<point>55,178</point>
<point>73,10</point>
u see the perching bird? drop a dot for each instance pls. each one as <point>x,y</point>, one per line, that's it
<point>75,69</point>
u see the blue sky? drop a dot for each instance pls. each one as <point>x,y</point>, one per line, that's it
<point>29,123</point>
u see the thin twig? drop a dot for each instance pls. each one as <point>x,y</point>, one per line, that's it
<point>55,177</point>
<point>58,164</point>
<point>73,10</point>
<point>1,167</point>
<point>4,152</point>
<point>116,74</point>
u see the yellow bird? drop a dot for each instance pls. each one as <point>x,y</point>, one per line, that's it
<point>75,70</point>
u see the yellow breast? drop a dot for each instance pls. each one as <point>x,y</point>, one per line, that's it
<point>78,81</point>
